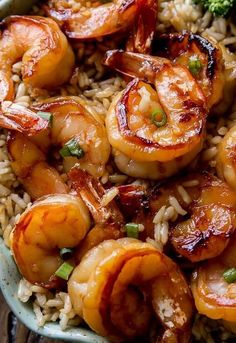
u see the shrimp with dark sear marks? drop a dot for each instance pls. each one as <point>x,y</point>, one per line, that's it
<point>103,19</point>
<point>147,127</point>
<point>71,120</point>
<point>213,295</point>
<point>119,286</point>
<point>47,57</point>
<point>203,59</point>
<point>52,223</point>
<point>210,218</point>
<point>226,158</point>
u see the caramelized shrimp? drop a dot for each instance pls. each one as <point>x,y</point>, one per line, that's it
<point>214,297</point>
<point>52,223</point>
<point>46,55</point>
<point>151,126</point>
<point>30,165</point>
<point>98,21</point>
<point>108,219</point>
<point>71,119</point>
<point>144,28</point>
<point>186,48</point>
<point>119,286</point>
<point>210,218</point>
<point>226,158</point>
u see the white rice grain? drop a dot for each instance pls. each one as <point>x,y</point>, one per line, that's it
<point>159,215</point>
<point>109,196</point>
<point>184,194</point>
<point>174,202</point>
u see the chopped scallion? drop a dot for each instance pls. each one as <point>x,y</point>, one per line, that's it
<point>194,65</point>
<point>132,230</point>
<point>64,271</point>
<point>156,114</point>
<point>66,253</point>
<point>230,275</point>
<point>45,115</point>
<point>72,148</point>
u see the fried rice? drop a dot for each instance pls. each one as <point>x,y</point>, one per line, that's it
<point>92,83</point>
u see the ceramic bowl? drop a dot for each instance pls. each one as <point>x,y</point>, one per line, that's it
<point>9,280</point>
<point>9,275</point>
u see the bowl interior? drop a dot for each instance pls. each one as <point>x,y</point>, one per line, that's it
<point>9,280</point>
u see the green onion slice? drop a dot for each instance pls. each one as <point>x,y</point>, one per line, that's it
<point>155,117</point>
<point>72,148</point>
<point>66,253</point>
<point>132,230</point>
<point>230,275</point>
<point>45,115</point>
<point>194,65</point>
<point>64,271</point>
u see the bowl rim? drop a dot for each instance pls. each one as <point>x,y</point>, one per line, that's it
<point>9,280</point>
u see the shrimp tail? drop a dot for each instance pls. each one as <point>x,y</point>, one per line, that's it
<point>92,192</point>
<point>142,36</point>
<point>135,65</point>
<point>18,118</point>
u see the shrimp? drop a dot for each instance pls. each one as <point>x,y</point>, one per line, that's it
<point>30,166</point>
<point>144,28</point>
<point>71,119</point>
<point>119,286</point>
<point>150,126</point>
<point>97,21</point>
<point>153,170</point>
<point>226,158</point>
<point>108,219</point>
<point>48,59</point>
<point>214,297</point>
<point>52,223</point>
<point>186,49</point>
<point>210,218</point>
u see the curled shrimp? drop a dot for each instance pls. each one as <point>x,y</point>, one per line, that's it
<point>71,119</point>
<point>186,48</point>
<point>98,21</point>
<point>226,158</point>
<point>132,129</point>
<point>119,286</point>
<point>52,223</point>
<point>214,297</point>
<point>209,221</point>
<point>46,55</point>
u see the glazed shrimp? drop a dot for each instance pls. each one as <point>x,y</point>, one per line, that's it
<point>119,286</point>
<point>144,28</point>
<point>214,297</point>
<point>47,57</point>
<point>226,158</point>
<point>70,120</point>
<point>203,59</point>
<point>52,223</point>
<point>150,127</point>
<point>98,21</point>
<point>210,218</point>
<point>108,219</point>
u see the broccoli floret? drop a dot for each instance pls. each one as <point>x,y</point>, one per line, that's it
<point>217,7</point>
